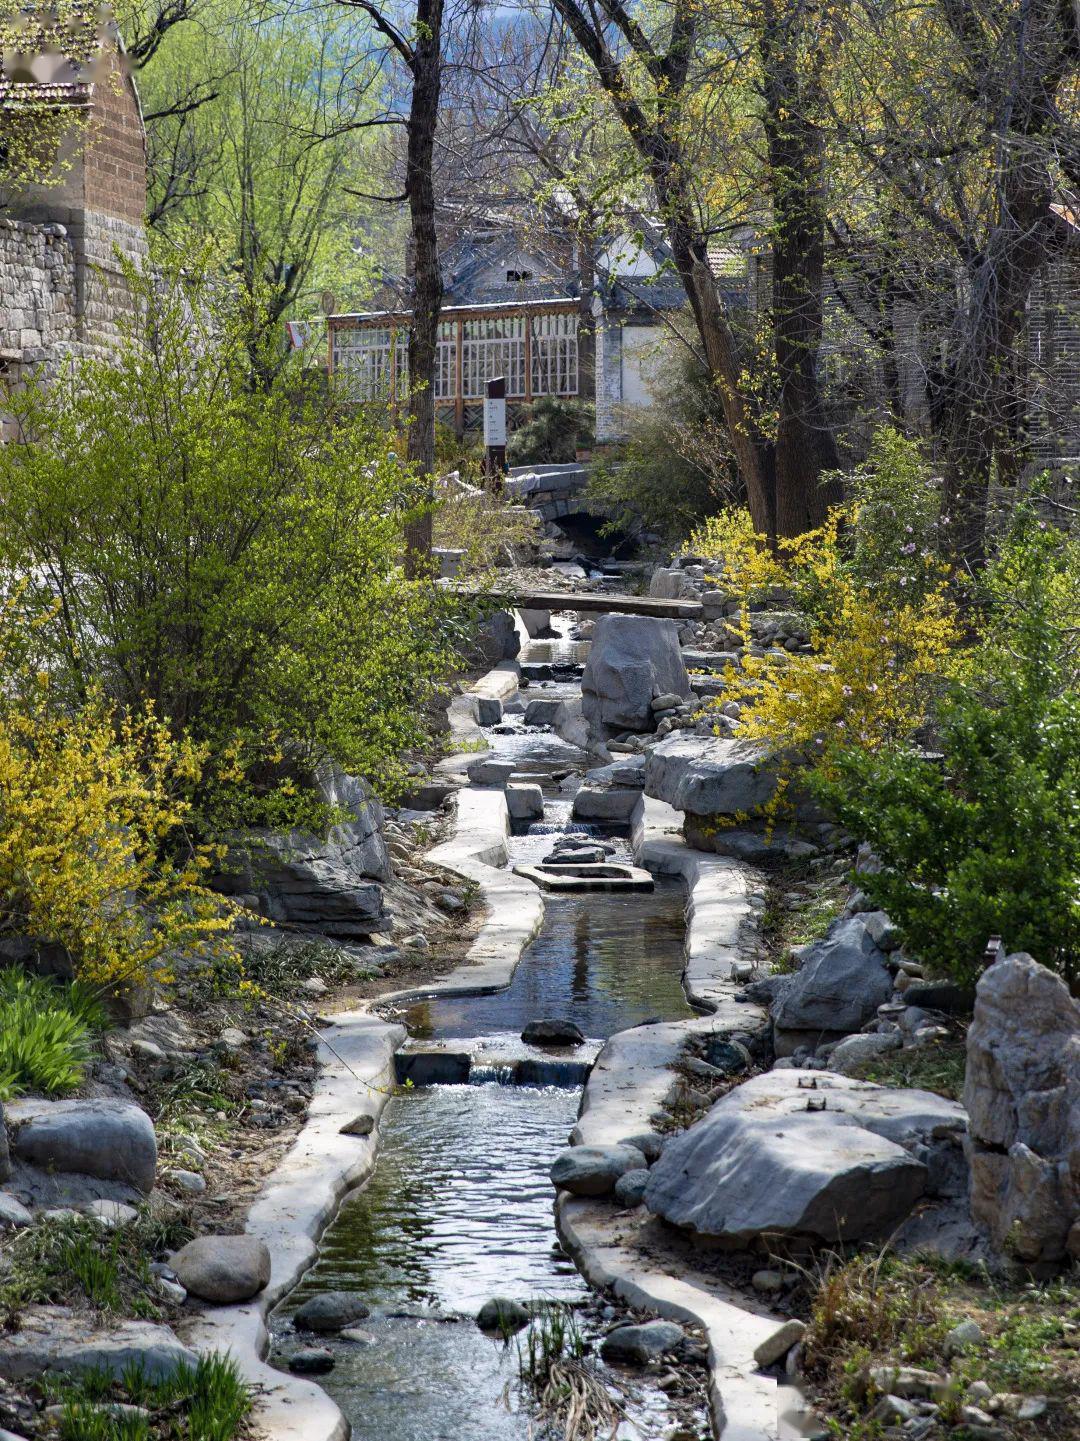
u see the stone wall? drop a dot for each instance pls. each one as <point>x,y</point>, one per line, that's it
<point>62,290</point>
<point>38,296</point>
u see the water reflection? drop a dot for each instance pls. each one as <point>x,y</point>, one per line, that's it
<point>599,961</point>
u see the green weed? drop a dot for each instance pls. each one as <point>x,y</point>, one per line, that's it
<point>46,1034</point>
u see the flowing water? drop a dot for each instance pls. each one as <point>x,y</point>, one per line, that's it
<point>460,1206</point>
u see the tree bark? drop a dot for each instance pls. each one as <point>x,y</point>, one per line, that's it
<point>427,287</point>
<point>805,446</point>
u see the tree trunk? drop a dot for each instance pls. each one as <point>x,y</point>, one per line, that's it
<point>805,446</point>
<point>427,277</point>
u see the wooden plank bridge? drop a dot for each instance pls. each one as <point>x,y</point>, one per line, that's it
<point>599,602</point>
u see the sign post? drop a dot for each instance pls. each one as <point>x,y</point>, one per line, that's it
<point>495,430</point>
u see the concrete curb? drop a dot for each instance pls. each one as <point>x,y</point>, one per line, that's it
<point>743,1404</point>
<point>291,1213</point>
<point>357,1051</point>
<point>629,1083</point>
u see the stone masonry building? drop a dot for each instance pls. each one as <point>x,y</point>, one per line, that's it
<point>61,241</point>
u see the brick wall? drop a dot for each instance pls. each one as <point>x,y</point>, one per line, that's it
<point>114,165</point>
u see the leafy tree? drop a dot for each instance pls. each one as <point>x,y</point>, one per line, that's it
<point>258,122</point>
<point>225,555</point>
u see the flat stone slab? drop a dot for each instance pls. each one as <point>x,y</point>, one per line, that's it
<point>56,1339</point>
<point>586,876</point>
<point>802,1154</point>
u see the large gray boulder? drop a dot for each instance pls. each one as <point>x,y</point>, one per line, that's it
<point>223,1269</point>
<point>842,981</point>
<point>715,775</point>
<point>593,1170</point>
<point>710,775</point>
<point>113,1140</point>
<point>326,884</point>
<point>790,1154</point>
<point>1022,1091</point>
<point>632,659</point>
<point>56,1339</point>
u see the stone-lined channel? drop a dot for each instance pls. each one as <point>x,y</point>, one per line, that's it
<point>460,1206</point>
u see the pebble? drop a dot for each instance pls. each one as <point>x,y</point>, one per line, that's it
<point>171,1290</point>
<point>767,1282</point>
<point>314,986</point>
<point>188,1181</point>
<point>110,1213</point>
<point>13,1212</point>
<point>967,1333</point>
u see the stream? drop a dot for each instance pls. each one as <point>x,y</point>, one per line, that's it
<point>460,1206</point>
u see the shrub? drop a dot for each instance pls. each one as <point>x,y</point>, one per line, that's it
<point>876,659</point>
<point>552,434</point>
<point>896,512</point>
<point>89,801</point>
<point>46,1034</point>
<point>226,552</point>
<point>675,467</point>
<point>984,837</point>
<point>487,528</point>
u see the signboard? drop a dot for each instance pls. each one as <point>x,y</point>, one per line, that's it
<point>494,420</point>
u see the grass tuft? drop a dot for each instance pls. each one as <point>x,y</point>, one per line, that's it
<point>46,1034</point>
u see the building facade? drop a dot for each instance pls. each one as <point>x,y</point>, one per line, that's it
<point>63,242</point>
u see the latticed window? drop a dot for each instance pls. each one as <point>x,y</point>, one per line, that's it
<point>368,357</point>
<point>492,346</point>
<point>373,359</point>
<point>446,362</point>
<point>555,355</point>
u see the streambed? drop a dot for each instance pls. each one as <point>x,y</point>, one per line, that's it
<point>460,1206</point>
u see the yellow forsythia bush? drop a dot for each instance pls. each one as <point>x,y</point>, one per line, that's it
<point>91,808</point>
<point>876,656</point>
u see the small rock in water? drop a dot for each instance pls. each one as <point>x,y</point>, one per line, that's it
<point>552,1033</point>
<point>312,1361</point>
<point>638,1345</point>
<point>357,1336</point>
<point>502,1314</point>
<point>330,1311</point>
